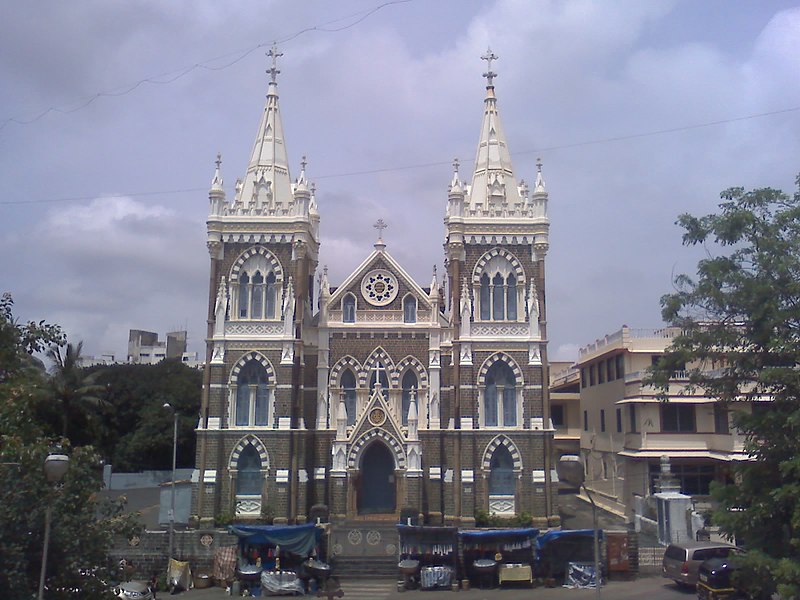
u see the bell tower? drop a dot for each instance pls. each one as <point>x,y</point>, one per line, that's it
<point>497,237</point>
<point>264,248</point>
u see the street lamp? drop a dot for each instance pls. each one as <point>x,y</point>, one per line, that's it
<point>172,491</point>
<point>55,467</point>
<point>570,469</point>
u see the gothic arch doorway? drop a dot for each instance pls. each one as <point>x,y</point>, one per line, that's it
<point>377,492</point>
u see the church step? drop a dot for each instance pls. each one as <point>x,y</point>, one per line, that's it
<point>364,567</point>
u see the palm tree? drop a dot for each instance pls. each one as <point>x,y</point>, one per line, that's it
<point>70,386</point>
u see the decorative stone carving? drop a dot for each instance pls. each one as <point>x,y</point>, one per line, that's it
<point>253,328</point>
<point>534,355</point>
<point>379,287</point>
<point>500,329</point>
<point>533,310</point>
<point>221,307</point>
<point>218,355</point>
<point>288,309</point>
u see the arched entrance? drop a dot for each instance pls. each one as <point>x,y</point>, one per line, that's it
<point>377,489</point>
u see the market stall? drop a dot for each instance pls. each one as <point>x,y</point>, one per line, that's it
<point>275,558</point>
<point>498,555</point>
<point>556,549</point>
<point>428,556</point>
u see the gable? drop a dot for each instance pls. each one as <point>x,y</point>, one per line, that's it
<point>383,271</point>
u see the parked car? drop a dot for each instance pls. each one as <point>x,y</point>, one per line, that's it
<point>682,561</point>
<point>714,581</point>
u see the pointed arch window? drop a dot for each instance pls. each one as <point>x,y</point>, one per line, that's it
<point>258,296</point>
<point>486,298</point>
<point>409,309</point>
<point>252,396</point>
<point>349,387</point>
<point>257,293</point>
<point>498,298</point>
<point>502,287</point>
<point>271,296</point>
<point>500,397</point>
<point>349,309</point>
<point>248,478</point>
<point>511,298</point>
<point>501,476</point>
<point>244,295</point>
<point>409,383</point>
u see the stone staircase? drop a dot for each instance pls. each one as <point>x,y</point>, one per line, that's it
<point>364,549</point>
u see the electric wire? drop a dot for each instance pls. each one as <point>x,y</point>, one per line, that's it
<point>172,76</point>
<point>388,169</point>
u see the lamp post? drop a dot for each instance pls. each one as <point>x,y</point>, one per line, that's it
<point>172,490</point>
<point>55,467</point>
<point>570,469</point>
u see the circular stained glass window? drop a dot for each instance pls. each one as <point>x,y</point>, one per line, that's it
<point>379,287</point>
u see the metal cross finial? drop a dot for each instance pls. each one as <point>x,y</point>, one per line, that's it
<point>274,54</point>
<point>456,164</point>
<point>489,57</point>
<point>303,162</point>
<point>218,162</point>
<point>380,226</point>
<point>539,165</point>
<point>378,369</point>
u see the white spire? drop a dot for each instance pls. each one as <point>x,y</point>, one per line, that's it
<point>493,182</point>
<point>267,182</point>
<point>216,194</point>
<point>216,182</point>
<point>539,187</point>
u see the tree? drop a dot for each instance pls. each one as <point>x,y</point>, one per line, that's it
<point>72,388</point>
<point>138,432</point>
<point>740,321</point>
<point>83,526</point>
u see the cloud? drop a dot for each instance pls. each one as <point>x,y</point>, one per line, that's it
<point>401,88</point>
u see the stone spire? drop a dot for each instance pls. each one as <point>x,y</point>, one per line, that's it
<point>267,184</point>
<point>493,182</point>
<point>216,194</point>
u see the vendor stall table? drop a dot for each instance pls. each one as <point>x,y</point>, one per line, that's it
<point>503,553</point>
<point>435,552</point>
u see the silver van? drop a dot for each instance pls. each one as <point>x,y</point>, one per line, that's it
<point>682,561</point>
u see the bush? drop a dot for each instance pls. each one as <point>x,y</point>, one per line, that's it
<point>484,519</point>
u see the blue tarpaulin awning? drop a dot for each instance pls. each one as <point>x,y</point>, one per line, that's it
<point>298,539</point>
<point>550,536</point>
<point>489,535</point>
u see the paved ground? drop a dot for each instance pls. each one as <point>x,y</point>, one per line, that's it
<point>651,588</point>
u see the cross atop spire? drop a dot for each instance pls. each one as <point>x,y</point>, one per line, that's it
<point>456,164</point>
<point>303,163</point>
<point>218,162</point>
<point>489,57</point>
<point>380,225</point>
<point>274,70</point>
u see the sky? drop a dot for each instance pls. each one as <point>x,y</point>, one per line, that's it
<point>112,114</point>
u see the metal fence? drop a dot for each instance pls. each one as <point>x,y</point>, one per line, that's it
<point>650,557</point>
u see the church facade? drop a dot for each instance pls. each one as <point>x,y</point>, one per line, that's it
<point>378,395</point>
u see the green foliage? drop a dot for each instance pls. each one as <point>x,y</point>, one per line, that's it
<point>484,519</point>
<point>73,395</point>
<point>223,519</point>
<point>740,318</point>
<point>138,433</point>
<point>83,524</point>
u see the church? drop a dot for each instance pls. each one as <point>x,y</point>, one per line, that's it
<point>376,395</point>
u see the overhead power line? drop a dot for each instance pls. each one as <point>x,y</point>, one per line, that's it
<point>208,65</point>
<point>389,169</point>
